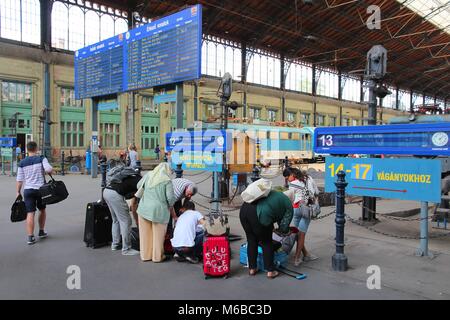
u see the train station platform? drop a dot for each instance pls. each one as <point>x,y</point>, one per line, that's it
<point>39,271</point>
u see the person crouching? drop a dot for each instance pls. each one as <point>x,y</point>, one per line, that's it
<point>187,238</point>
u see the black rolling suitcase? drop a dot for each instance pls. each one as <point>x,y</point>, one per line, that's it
<point>97,228</point>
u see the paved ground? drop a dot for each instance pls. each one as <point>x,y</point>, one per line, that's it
<point>39,271</point>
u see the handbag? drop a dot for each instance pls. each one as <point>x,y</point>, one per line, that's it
<point>18,210</point>
<point>53,191</point>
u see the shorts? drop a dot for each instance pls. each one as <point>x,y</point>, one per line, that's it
<point>300,222</point>
<point>33,200</point>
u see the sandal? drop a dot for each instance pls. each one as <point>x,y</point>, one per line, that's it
<point>252,272</point>
<point>274,275</point>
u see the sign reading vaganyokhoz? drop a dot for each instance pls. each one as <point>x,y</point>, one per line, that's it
<point>407,179</point>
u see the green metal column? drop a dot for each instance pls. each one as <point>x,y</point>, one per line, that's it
<point>46,40</point>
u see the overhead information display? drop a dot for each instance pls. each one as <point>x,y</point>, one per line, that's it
<point>99,68</point>
<point>430,139</point>
<point>164,51</point>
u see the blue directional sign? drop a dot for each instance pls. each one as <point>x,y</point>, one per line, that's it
<point>209,140</point>
<point>418,139</point>
<point>406,179</point>
<point>164,51</point>
<point>8,142</point>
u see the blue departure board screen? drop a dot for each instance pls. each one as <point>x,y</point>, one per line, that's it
<point>162,52</point>
<point>431,139</point>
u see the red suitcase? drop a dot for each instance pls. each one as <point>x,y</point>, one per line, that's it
<point>216,256</point>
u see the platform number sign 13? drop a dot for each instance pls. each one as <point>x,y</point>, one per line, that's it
<point>327,140</point>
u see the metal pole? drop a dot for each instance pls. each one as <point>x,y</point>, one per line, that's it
<point>369,203</point>
<point>216,192</point>
<point>62,163</point>
<point>195,100</point>
<point>179,105</point>
<point>94,144</point>
<point>423,250</point>
<point>339,259</point>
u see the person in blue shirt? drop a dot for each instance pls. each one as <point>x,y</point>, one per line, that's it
<point>19,152</point>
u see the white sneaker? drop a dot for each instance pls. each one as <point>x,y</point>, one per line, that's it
<point>298,262</point>
<point>130,252</point>
<point>310,257</point>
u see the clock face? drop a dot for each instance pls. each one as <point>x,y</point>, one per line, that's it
<point>440,139</point>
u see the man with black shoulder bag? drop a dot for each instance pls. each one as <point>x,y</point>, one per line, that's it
<point>30,176</point>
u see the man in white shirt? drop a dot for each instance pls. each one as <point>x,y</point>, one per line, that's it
<point>188,234</point>
<point>30,176</point>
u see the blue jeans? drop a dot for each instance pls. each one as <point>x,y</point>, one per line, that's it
<point>196,250</point>
<point>300,222</point>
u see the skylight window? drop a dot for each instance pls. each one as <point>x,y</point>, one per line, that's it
<point>435,11</point>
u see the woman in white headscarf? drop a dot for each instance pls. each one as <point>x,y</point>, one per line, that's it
<point>155,208</point>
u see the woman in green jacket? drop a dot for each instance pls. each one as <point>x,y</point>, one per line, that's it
<point>155,207</point>
<point>257,219</point>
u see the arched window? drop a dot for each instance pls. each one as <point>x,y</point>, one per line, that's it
<point>20,20</point>
<point>92,28</point>
<point>106,27</point>
<point>120,26</point>
<point>31,24</point>
<point>204,57</point>
<point>76,28</point>
<point>60,26</point>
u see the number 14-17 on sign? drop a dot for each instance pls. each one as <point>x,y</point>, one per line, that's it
<point>358,171</point>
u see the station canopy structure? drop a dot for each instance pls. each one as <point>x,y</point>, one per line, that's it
<point>331,33</point>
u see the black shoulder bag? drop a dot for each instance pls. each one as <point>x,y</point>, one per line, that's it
<point>52,191</point>
<point>18,210</point>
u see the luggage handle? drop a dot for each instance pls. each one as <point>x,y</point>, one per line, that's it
<point>19,198</point>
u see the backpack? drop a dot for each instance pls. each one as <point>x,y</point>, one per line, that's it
<point>117,174</point>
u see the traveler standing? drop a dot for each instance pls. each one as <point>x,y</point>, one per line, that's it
<point>133,155</point>
<point>31,176</point>
<point>157,151</point>
<point>306,192</point>
<point>19,152</point>
<point>155,191</point>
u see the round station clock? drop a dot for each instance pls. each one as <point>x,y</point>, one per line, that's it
<point>440,139</point>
